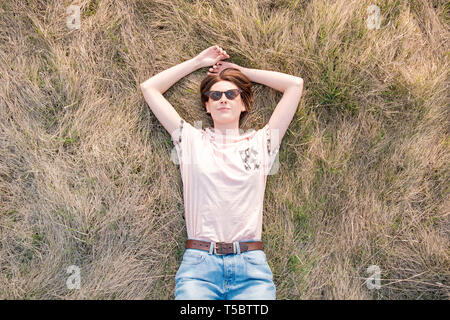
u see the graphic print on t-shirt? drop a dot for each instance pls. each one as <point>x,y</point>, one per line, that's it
<point>250,158</point>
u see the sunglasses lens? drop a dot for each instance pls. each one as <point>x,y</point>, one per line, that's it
<point>216,95</point>
<point>231,94</point>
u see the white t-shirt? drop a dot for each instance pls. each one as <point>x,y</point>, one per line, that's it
<point>224,180</point>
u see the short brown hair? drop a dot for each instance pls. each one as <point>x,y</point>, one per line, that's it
<point>233,75</point>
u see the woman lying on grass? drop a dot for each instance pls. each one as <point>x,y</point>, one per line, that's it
<point>224,176</point>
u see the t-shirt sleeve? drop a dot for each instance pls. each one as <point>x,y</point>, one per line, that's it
<point>269,146</point>
<point>183,139</point>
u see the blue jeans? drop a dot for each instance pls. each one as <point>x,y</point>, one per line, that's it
<point>241,276</point>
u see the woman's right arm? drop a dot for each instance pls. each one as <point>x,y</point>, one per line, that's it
<point>167,78</point>
<point>154,88</point>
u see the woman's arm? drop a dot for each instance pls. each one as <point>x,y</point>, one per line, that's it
<point>291,87</point>
<point>167,78</point>
<point>153,90</point>
<point>154,87</point>
<point>276,80</point>
<point>284,112</point>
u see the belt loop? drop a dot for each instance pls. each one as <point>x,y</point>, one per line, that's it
<point>211,247</point>
<point>237,247</point>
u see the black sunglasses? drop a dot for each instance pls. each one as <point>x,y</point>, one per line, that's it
<point>230,94</point>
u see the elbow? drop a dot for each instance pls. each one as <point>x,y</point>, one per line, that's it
<point>295,85</point>
<point>142,85</point>
<point>145,86</point>
<point>148,86</point>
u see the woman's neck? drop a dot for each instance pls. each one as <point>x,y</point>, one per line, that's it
<point>227,130</point>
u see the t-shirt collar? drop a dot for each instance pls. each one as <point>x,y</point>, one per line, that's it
<point>222,138</point>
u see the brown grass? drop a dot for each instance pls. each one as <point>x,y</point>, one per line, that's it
<point>85,172</point>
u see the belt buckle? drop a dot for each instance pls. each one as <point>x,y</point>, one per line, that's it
<point>221,244</point>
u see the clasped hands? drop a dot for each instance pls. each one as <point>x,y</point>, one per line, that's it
<point>213,56</point>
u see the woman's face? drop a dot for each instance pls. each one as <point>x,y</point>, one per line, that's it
<point>225,110</point>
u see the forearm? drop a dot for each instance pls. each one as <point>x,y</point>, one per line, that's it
<point>167,78</point>
<point>276,80</point>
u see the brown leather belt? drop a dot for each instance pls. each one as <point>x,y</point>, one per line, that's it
<point>221,248</point>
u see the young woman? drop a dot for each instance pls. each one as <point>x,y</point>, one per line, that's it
<point>224,175</point>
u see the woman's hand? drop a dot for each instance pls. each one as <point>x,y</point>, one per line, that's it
<point>211,56</point>
<point>222,65</point>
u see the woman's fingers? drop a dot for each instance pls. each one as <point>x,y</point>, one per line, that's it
<point>217,47</point>
<point>221,51</point>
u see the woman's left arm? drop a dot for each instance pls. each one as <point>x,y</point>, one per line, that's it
<point>284,112</point>
<point>291,87</point>
<point>276,80</point>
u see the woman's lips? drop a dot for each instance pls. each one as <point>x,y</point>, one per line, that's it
<point>224,109</point>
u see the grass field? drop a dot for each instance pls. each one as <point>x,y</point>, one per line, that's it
<point>86,177</point>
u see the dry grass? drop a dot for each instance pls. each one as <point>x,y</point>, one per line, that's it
<point>85,172</point>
